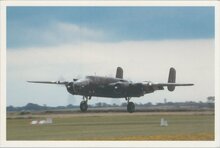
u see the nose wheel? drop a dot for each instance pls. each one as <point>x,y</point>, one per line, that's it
<point>130,106</point>
<point>84,104</point>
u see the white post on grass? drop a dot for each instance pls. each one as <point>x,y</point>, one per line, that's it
<point>163,122</point>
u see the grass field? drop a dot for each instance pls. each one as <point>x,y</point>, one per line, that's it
<point>114,126</point>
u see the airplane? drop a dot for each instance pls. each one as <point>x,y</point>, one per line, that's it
<point>114,87</point>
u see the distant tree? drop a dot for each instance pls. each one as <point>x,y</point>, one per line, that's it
<point>10,108</point>
<point>60,107</point>
<point>158,104</point>
<point>105,104</point>
<point>99,104</point>
<point>123,104</point>
<point>114,105</point>
<point>211,99</point>
<point>148,104</point>
<point>32,106</point>
<point>45,106</point>
<point>69,106</point>
<point>165,100</point>
<point>170,103</point>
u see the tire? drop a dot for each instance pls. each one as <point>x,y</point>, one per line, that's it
<point>130,107</point>
<point>83,106</point>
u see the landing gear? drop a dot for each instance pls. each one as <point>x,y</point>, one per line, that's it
<point>130,106</point>
<point>83,104</point>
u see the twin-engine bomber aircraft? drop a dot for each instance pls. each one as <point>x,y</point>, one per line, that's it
<point>114,87</point>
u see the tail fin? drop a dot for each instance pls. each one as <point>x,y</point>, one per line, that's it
<point>172,78</point>
<point>119,73</point>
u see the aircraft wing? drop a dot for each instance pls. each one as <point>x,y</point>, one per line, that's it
<point>50,82</point>
<point>173,84</point>
<point>170,86</point>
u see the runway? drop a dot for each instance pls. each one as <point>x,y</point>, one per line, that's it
<point>114,126</point>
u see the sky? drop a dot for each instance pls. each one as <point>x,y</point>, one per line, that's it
<point>62,43</point>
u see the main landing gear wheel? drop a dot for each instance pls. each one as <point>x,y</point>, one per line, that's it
<point>83,106</point>
<point>130,107</point>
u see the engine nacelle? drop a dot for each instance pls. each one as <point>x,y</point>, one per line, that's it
<point>69,87</point>
<point>136,89</point>
<point>120,87</point>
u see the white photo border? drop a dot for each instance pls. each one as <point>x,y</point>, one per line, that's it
<point>3,15</point>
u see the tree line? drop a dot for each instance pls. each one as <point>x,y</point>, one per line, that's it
<point>188,104</point>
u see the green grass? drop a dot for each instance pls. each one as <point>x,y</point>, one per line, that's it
<point>120,127</point>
